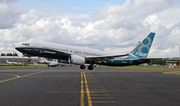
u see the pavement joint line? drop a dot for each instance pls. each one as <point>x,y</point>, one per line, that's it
<point>94,95</point>
<point>99,93</point>
<point>101,97</point>
<point>87,91</point>
<point>145,90</point>
<point>62,92</point>
<point>127,71</point>
<point>31,74</point>
<point>104,101</point>
<point>20,77</point>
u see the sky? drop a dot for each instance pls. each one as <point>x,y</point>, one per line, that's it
<point>111,25</point>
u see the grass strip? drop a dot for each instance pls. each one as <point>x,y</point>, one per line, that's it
<point>175,73</point>
<point>142,67</point>
<point>18,66</point>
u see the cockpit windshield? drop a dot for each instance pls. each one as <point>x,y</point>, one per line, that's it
<point>25,44</point>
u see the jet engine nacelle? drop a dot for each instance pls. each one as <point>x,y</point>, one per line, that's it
<point>75,59</point>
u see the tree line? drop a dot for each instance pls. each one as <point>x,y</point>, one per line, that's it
<point>9,54</point>
<point>161,62</point>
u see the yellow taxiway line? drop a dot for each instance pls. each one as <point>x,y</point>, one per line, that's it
<point>19,76</point>
<point>87,91</point>
<point>82,91</point>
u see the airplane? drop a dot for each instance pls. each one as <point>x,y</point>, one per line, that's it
<point>52,63</point>
<point>11,62</point>
<point>81,56</point>
<point>35,63</point>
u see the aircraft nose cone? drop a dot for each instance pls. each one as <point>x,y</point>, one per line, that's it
<point>19,49</point>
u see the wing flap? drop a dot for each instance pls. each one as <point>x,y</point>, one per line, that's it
<point>106,57</point>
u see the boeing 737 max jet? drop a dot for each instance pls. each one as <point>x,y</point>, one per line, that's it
<point>82,56</point>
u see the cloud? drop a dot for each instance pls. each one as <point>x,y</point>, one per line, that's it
<point>9,1</point>
<point>115,28</point>
<point>129,16</point>
<point>55,0</point>
<point>31,17</point>
<point>170,16</point>
<point>9,15</point>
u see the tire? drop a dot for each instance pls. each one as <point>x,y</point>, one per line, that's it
<point>82,67</point>
<point>90,67</point>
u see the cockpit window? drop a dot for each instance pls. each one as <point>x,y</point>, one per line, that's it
<point>26,44</point>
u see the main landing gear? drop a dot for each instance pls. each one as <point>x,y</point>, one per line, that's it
<point>82,67</point>
<point>90,67</point>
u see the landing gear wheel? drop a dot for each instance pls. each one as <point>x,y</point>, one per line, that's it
<point>82,67</point>
<point>90,67</point>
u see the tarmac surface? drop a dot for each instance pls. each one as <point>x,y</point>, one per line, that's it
<point>71,86</point>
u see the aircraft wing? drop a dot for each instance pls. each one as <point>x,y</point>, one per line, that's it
<point>103,58</point>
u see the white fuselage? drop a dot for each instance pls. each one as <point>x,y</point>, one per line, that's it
<point>81,55</point>
<point>80,51</point>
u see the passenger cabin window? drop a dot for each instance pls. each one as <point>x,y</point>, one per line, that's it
<point>26,44</point>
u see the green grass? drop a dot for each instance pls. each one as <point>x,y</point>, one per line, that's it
<point>20,66</point>
<point>126,67</point>
<point>150,67</point>
<point>176,73</point>
<point>143,67</point>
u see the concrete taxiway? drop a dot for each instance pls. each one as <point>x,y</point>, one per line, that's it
<point>70,86</point>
